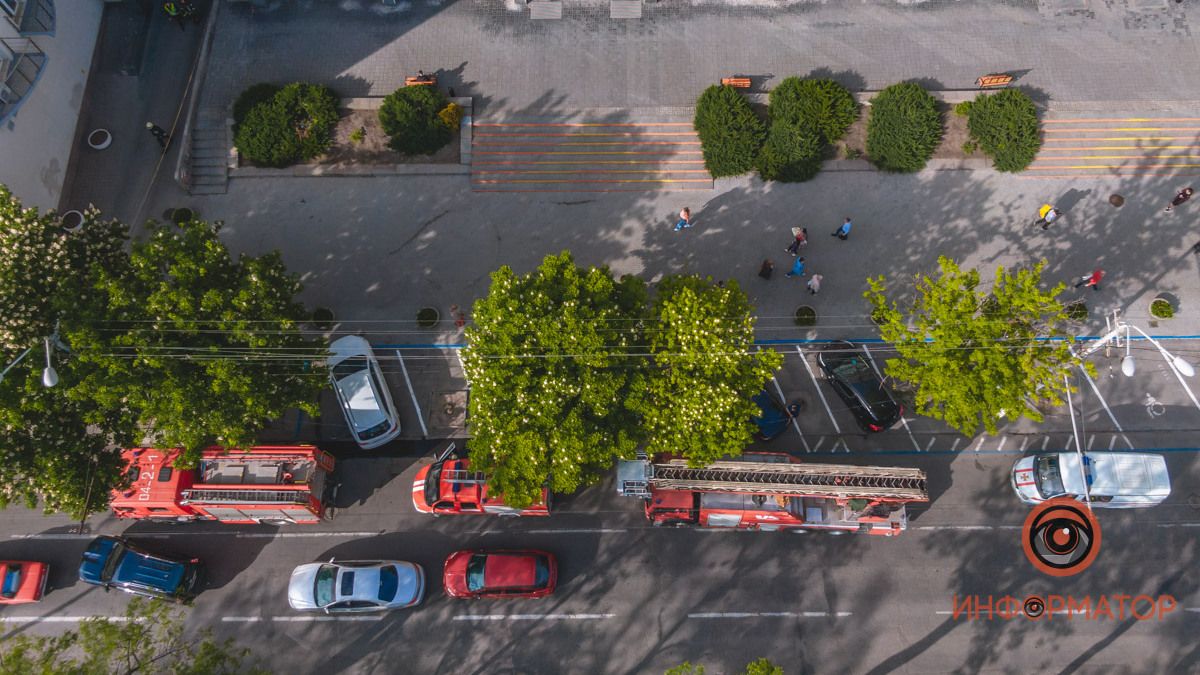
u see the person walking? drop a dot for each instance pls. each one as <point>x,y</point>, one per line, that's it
<point>685,219</point>
<point>1046,215</point>
<point>814,283</point>
<point>843,232</point>
<point>800,240</point>
<point>1092,279</point>
<point>188,11</point>
<point>1184,195</point>
<point>160,134</point>
<point>768,267</point>
<point>797,268</point>
<point>174,13</point>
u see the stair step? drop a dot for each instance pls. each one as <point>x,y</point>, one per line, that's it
<point>209,151</point>
<point>209,190</point>
<point>209,180</point>
<point>208,161</point>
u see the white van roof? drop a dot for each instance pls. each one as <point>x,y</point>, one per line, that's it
<point>1117,474</point>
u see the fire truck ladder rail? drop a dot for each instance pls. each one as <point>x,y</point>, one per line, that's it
<point>245,496</point>
<point>464,477</point>
<point>798,479</point>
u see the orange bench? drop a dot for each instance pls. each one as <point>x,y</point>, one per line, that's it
<point>994,81</point>
<point>736,82</point>
<point>427,80</point>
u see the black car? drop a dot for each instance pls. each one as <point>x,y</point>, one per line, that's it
<point>773,418</point>
<point>114,562</point>
<point>850,371</point>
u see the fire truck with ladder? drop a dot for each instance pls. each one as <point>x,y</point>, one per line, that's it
<point>449,487</point>
<point>273,484</point>
<point>774,492</point>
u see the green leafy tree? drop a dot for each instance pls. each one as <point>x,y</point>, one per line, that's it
<point>904,128</point>
<point>1005,125</point>
<point>54,449</point>
<point>696,397</point>
<point>549,365</point>
<point>822,104</point>
<point>411,116</point>
<point>731,134</point>
<point>203,347</point>
<point>974,356</point>
<point>294,125</point>
<point>150,640</point>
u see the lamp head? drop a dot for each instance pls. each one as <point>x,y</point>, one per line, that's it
<point>1127,366</point>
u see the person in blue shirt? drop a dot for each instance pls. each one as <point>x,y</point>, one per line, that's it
<point>797,268</point>
<point>843,232</point>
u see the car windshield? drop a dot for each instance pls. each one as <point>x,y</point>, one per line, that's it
<point>12,581</point>
<point>114,559</point>
<point>432,479</point>
<point>352,365</point>
<point>389,581</point>
<point>323,587</point>
<point>1049,482</point>
<point>475,572</point>
<point>541,572</point>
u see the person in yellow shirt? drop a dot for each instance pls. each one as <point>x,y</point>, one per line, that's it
<point>1046,215</point>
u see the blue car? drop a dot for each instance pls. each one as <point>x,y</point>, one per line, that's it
<point>774,417</point>
<point>113,562</point>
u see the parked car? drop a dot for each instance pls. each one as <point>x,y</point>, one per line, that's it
<point>1115,480</point>
<point>362,392</point>
<point>851,372</point>
<point>500,574</point>
<point>348,586</point>
<point>774,416</point>
<point>22,581</point>
<point>114,562</point>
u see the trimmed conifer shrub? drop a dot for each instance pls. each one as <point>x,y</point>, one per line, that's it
<point>731,135</point>
<point>904,128</point>
<point>821,104</point>
<point>1005,126</point>
<point>792,153</point>
<point>409,116</point>
<point>296,124</point>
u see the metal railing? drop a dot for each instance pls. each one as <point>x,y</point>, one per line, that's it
<point>34,16</point>
<point>21,63</point>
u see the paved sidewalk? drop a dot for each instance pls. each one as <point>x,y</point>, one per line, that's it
<point>377,249</point>
<point>1080,50</point>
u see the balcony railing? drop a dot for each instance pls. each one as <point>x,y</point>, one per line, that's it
<point>21,63</point>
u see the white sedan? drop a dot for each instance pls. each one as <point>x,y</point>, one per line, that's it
<point>356,586</point>
<point>362,392</point>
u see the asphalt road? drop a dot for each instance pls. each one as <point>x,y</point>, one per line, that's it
<point>633,598</point>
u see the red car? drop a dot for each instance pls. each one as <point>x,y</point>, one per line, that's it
<point>22,581</point>
<point>500,574</point>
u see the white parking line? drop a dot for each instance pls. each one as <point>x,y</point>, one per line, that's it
<point>412,394</point>
<point>1107,410</point>
<point>567,531</point>
<point>795,424</point>
<point>980,443</point>
<point>1024,442</point>
<point>817,386</point>
<point>754,615</point>
<point>241,619</point>
<point>1045,442</point>
<point>51,536</point>
<point>930,443</point>
<point>820,442</point>
<point>310,619</point>
<point>1000,447</point>
<point>531,617</point>
<point>902,419</point>
<point>957,440</point>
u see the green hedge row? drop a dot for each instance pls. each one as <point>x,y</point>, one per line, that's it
<point>730,133</point>
<point>806,116</point>
<point>291,124</point>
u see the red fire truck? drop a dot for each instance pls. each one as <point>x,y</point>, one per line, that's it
<point>449,487</point>
<point>264,484</point>
<point>774,492</point>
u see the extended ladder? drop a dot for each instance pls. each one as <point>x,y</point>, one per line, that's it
<point>245,496</point>
<point>459,476</point>
<point>809,480</point>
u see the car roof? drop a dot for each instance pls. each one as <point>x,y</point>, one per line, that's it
<point>1117,474</point>
<point>362,401</point>
<point>509,570</point>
